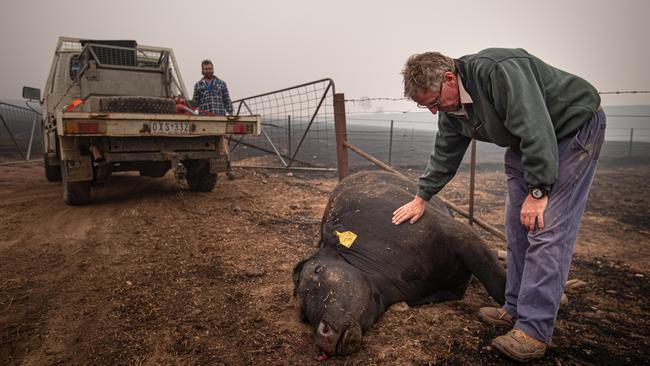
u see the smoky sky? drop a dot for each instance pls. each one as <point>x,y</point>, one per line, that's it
<point>260,46</point>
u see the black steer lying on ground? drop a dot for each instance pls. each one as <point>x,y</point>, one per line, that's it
<point>365,263</point>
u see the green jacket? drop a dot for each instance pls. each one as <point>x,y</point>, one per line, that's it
<point>519,102</point>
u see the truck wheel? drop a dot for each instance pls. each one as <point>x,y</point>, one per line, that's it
<point>52,172</point>
<point>202,181</point>
<point>137,105</point>
<point>75,193</point>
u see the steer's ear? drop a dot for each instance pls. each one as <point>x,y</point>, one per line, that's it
<point>328,235</point>
<point>296,274</point>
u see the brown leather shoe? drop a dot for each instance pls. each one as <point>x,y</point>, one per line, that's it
<point>495,316</point>
<point>519,346</point>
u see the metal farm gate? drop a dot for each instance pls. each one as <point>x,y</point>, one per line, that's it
<point>297,129</point>
<point>20,132</point>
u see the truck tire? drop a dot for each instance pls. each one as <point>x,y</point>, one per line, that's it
<point>202,181</point>
<point>52,172</point>
<point>137,105</point>
<point>75,193</point>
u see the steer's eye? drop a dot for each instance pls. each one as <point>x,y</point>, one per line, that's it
<point>318,269</point>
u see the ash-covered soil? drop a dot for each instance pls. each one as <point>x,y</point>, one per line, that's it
<point>152,274</point>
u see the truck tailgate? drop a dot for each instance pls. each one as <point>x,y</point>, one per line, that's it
<point>142,124</point>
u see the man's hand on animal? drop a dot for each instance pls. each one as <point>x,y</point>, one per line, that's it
<point>532,211</point>
<point>412,210</point>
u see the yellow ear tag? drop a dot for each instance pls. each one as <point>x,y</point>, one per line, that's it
<point>346,238</point>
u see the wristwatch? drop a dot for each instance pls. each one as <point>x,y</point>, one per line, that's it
<point>537,192</point>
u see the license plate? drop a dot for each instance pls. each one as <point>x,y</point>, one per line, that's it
<point>170,128</point>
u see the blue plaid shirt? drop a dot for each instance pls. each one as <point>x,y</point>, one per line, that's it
<point>212,96</point>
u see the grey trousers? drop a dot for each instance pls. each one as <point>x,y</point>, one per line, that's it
<point>539,261</point>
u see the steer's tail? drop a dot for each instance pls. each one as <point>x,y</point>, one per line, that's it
<point>484,264</point>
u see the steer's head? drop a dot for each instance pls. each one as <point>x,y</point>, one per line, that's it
<point>337,300</point>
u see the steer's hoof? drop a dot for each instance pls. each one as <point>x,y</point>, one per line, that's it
<point>400,307</point>
<point>564,300</point>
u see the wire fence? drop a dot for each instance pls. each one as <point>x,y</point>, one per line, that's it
<point>408,144</point>
<point>298,132</point>
<point>297,129</point>
<point>405,139</point>
<point>20,132</point>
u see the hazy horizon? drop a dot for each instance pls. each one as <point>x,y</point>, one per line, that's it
<point>260,46</point>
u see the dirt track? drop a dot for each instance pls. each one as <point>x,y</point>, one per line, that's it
<point>150,274</point>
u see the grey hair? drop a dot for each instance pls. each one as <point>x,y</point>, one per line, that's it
<point>424,71</point>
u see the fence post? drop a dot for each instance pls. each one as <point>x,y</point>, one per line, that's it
<point>31,138</point>
<point>390,143</point>
<point>472,176</point>
<point>340,130</point>
<point>289,133</point>
<point>629,154</point>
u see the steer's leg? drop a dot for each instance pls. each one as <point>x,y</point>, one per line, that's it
<point>483,263</point>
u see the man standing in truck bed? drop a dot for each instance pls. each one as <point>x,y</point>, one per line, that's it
<point>211,93</point>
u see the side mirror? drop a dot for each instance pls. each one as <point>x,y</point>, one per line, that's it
<point>31,93</point>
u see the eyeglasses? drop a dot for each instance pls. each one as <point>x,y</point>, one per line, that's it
<point>435,104</point>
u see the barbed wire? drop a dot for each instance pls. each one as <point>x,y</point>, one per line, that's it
<point>626,115</point>
<point>390,99</point>
<point>626,92</point>
<point>377,98</point>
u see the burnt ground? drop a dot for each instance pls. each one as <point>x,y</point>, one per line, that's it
<point>151,274</point>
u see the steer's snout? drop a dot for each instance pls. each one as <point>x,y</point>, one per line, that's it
<point>326,338</point>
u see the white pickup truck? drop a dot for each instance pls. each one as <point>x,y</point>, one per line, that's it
<point>112,106</point>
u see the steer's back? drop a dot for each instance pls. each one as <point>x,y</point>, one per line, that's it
<point>415,259</point>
